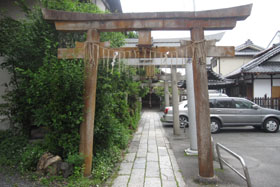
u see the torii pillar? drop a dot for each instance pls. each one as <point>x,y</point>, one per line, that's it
<point>205,155</point>
<point>87,127</point>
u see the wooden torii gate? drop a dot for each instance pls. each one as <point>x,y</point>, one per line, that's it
<point>198,49</point>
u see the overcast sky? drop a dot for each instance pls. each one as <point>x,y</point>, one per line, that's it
<point>260,26</point>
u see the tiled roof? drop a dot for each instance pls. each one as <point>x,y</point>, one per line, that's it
<point>248,44</point>
<point>270,68</point>
<point>216,79</point>
<point>257,65</point>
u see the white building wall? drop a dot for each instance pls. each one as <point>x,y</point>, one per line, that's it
<point>4,78</point>
<point>276,82</point>
<point>262,87</point>
<point>100,4</point>
<point>275,59</point>
<point>230,64</point>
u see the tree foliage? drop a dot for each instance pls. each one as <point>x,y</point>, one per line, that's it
<point>47,92</point>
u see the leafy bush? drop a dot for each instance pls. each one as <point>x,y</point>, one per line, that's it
<point>11,146</point>
<point>75,159</point>
<point>47,92</point>
<point>104,162</point>
<point>30,156</point>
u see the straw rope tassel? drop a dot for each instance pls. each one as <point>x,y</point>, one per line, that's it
<point>103,61</point>
<point>108,61</point>
<point>97,57</point>
<point>155,55</point>
<point>119,61</point>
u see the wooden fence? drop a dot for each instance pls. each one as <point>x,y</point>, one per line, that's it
<point>268,102</point>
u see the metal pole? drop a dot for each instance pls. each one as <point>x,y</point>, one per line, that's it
<point>191,109</point>
<point>205,155</point>
<point>166,94</point>
<point>175,102</point>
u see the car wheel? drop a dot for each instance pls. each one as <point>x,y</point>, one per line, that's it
<point>183,121</point>
<point>271,125</point>
<point>215,126</point>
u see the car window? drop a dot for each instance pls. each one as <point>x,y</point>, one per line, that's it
<point>243,104</point>
<point>211,103</point>
<point>220,103</point>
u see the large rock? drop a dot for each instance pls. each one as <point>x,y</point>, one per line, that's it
<point>65,169</point>
<point>38,132</point>
<point>49,163</point>
<point>53,165</point>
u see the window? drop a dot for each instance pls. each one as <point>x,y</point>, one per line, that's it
<point>211,103</point>
<point>243,104</point>
<point>224,104</point>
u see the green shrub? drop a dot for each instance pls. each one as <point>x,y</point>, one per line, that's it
<point>75,159</point>
<point>104,163</point>
<point>47,92</point>
<point>30,156</point>
<point>11,148</point>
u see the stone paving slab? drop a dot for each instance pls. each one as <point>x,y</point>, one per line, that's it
<point>121,181</point>
<point>137,178</point>
<point>152,182</point>
<point>129,157</point>
<point>152,169</point>
<point>150,161</point>
<point>125,168</point>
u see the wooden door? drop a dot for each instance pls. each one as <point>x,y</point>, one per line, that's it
<point>250,91</point>
<point>275,92</point>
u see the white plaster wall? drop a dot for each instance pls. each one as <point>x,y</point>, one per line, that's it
<point>99,3</point>
<point>276,82</point>
<point>262,87</point>
<point>275,58</point>
<point>11,9</point>
<point>228,65</point>
<point>4,78</point>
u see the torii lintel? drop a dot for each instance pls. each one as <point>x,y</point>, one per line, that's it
<point>220,19</point>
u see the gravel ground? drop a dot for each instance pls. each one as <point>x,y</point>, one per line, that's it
<point>9,178</point>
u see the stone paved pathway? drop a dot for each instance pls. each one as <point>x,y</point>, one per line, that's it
<point>150,161</point>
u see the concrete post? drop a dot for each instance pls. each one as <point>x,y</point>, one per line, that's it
<point>166,94</point>
<point>175,101</point>
<point>191,110</point>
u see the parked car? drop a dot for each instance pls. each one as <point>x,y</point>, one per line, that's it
<point>183,111</point>
<point>234,111</point>
<point>183,114</point>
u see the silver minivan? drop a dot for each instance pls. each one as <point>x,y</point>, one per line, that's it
<point>233,112</point>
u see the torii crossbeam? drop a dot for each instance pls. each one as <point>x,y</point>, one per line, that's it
<point>196,22</point>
